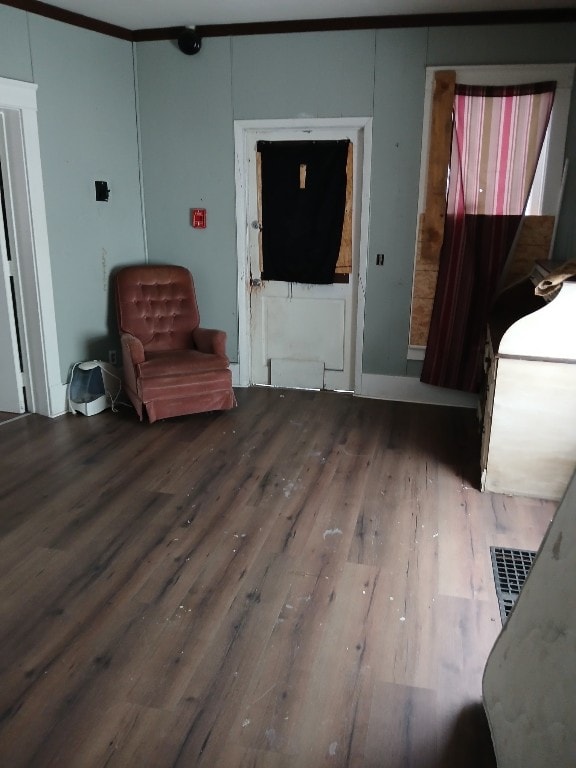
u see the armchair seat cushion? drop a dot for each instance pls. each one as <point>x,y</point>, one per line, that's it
<point>180,362</point>
<point>178,387</point>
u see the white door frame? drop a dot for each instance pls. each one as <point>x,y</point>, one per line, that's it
<point>11,373</point>
<point>245,135</point>
<point>33,279</point>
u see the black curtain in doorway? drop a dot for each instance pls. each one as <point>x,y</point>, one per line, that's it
<point>303,201</point>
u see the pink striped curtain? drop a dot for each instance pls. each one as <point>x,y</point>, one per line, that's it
<point>498,134</point>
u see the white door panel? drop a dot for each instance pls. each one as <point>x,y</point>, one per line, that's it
<point>310,329</point>
<point>299,329</point>
<point>296,374</point>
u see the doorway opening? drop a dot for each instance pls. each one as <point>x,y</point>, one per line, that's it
<point>292,333</point>
<point>27,279</point>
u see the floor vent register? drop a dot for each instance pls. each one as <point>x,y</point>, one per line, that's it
<point>510,568</point>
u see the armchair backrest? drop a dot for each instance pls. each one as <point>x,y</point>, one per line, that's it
<point>157,304</point>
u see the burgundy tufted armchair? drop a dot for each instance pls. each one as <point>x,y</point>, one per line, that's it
<point>171,365</point>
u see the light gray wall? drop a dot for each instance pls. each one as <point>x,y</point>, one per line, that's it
<point>88,131</point>
<point>188,105</point>
<point>87,124</point>
<point>303,75</point>
<point>399,81</point>
<point>87,127</point>
<point>187,110</point>
<point>188,162</point>
<point>15,62</point>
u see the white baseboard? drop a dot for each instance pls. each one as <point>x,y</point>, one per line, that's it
<point>235,368</point>
<point>58,400</point>
<point>416,353</point>
<point>408,389</point>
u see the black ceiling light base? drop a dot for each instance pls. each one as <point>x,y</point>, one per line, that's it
<point>189,41</point>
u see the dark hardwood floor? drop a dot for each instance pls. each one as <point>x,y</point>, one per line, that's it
<point>5,416</point>
<point>303,581</point>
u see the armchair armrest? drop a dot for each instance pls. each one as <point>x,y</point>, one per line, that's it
<point>210,340</point>
<point>132,355</point>
<point>132,349</point>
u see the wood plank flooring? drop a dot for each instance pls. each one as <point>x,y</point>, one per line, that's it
<point>304,581</point>
<point>5,416</point>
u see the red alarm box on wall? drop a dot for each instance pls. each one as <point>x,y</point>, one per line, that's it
<point>198,218</point>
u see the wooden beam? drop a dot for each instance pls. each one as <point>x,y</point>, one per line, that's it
<point>344,263</point>
<point>438,162</point>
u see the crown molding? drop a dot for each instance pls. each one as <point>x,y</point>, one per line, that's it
<point>365,22</point>
<point>69,17</point>
<point>559,16</point>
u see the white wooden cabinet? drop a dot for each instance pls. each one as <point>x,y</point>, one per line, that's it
<point>529,417</point>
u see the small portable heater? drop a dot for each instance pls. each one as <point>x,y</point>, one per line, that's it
<point>93,387</point>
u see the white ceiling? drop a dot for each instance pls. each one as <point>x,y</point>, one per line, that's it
<point>145,14</point>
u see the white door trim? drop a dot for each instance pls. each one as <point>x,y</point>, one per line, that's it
<point>46,393</point>
<point>11,374</point>
<point>244,135</point>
